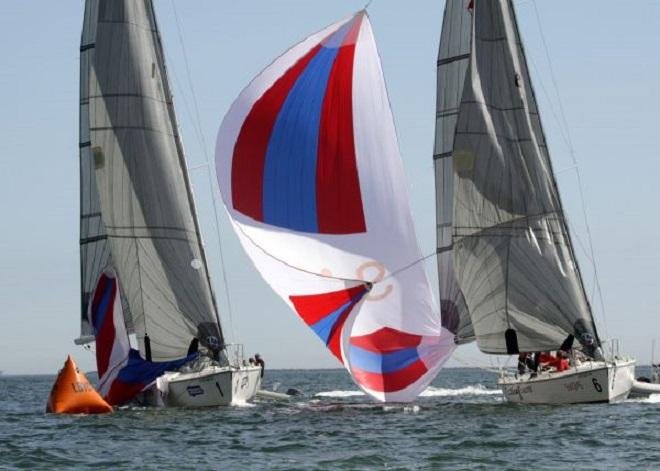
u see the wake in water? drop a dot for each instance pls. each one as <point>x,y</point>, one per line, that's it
<point>317,406</point>
<point>339,394</point>
<point>475,390</point>
<point>652,399</point>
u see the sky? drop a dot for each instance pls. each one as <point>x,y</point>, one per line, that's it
<point>600,74</point>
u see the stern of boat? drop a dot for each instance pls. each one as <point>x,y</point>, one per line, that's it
<point>591,382</point>
<point>209,384</point>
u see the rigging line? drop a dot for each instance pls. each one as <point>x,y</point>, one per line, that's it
<point>585,251</point>
<point>302,270</point>
<point>185,101</point>
<point>562,132</point>
<point>330,277</point>
<point>410,265</point>
<point>571,150</point>
<point>180,87</point>
<point>198,121</point>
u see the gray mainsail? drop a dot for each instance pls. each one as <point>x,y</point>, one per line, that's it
<point>512,253</point>
<point>453,59</point>
<point>137,209</point>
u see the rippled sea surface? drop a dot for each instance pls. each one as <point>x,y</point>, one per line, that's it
<point>461,422</point>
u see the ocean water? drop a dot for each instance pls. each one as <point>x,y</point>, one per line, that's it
<point>460,423</point>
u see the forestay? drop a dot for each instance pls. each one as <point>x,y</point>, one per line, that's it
<point>513,256</point>
<point>453,59</point>
<point>137,211</point>
<point>310,173</point>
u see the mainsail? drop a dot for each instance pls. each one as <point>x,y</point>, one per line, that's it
<point>309,170</point>
<point>512,255</point>
<point>137,211</point>
<point>453,59</point>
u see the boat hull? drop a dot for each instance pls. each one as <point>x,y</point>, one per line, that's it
<point>592,382</point>
<point>210,387</point>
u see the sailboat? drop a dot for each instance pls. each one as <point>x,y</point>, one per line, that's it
<point>309,171</point>
<point>509,277</point>
<point>144,273</point>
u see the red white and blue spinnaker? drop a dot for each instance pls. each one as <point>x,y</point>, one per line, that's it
<point>309,170</point>
<point>123,373</point>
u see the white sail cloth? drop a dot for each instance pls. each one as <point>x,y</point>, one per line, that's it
<point>310,173</point>
<point>513,256</point>
<point>453,59</point>
<point>137,211</point>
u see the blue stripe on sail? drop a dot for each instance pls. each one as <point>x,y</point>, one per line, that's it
<point>289,191</point>
<point>323,328</point>
<point>101,309</point>
<point>385,363</point>
<point>139,371</point>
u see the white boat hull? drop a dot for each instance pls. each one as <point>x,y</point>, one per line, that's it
<point>591,382</point>
<point>211,387</point>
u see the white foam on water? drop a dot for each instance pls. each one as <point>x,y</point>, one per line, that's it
<point>339,394</point>
<point>410,409</point>
<point>477,390</point>
<point>652,399</point>
<point>242,404</point>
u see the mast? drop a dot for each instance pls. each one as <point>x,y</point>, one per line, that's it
<point>184,167</point>
<point>135,187</point>
<point>513,255</point>
<point>564,219</point>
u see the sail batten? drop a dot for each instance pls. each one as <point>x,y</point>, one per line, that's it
<point>507,246</point>
<point>137,210</point>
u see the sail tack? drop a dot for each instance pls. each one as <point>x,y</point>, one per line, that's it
<point>137,211</point>
<point>310,173</point>
<point>512,254</point>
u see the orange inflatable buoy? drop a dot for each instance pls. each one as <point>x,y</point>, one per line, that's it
<point>73,394</point>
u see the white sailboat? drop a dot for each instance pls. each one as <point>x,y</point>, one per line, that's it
<point>142,256</point>
<point>509,278</point>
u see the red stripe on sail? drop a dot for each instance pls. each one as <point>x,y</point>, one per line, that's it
<point>247,171</point>
<point>105,337</point>
<point>334,342</point>
<point>386,340</point>
<point>390,382</point>
<point>121,392</point>
<point>338,197</point>
<point>314,307</point>
<point>98,295</point>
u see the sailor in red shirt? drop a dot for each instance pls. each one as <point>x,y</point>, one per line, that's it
<point>546,359</point>
<point>557,362</point>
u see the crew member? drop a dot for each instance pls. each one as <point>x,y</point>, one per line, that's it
<point>562,363</point>
<point>547,359</point>
<point>213,345</point>
<point>259,361</point>
<point>522,363</point>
